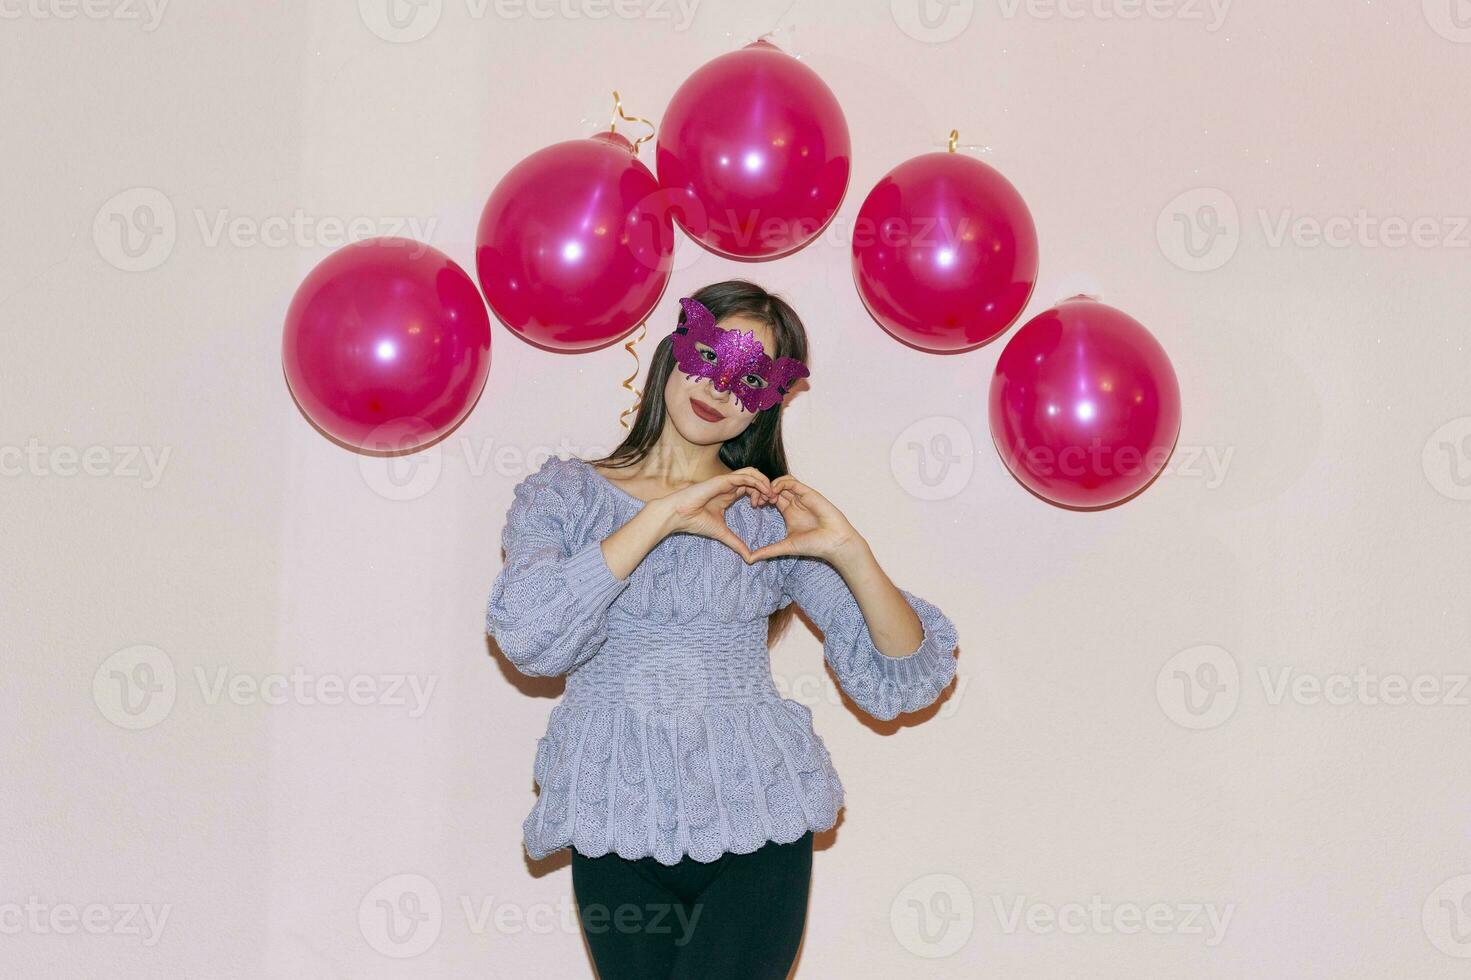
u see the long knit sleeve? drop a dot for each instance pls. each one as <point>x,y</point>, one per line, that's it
<point>881,685</point>
<point>548,607</point>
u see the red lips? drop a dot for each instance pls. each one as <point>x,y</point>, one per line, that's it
<point>705,411</point>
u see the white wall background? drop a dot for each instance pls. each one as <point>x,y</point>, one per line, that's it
<point>1314,521</point>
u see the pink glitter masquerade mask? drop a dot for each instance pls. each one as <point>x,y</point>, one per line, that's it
<point>733,360</point>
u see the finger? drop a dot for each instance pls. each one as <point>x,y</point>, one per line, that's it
<point>747,477</point>
<point>757,475</point>
<point>737,545</point>
<point>786,501</point>
<point>804,494</point>
<point>732,495</point>
<point>800,490</point>
<point>788,482</point>
<point>730,483</point>
<point>775,550</point>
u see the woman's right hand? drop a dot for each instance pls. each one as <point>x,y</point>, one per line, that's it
<point>700,508</point>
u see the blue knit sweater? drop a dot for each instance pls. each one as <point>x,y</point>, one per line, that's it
<point>670,738</point>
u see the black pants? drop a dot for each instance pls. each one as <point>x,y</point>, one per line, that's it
<point>739,916</point>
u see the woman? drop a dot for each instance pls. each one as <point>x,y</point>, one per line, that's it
<point>687,787</point>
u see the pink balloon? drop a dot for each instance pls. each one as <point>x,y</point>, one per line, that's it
<point>387,344</point>
<point>575,244</point>
<point>1085,408</point>
<point>757,150</point>
<point>944,252</point>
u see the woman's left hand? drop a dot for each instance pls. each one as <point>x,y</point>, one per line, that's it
<point>814,526</point>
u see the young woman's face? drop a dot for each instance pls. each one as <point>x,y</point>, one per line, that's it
<point>701,414</point>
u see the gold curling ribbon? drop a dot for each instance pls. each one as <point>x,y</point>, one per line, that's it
<point>954,139</point>
<point>638,395</point>
<point>618,113</point>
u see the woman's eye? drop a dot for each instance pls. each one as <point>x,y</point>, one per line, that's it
<point>754,381</point>
<point>707,354</point>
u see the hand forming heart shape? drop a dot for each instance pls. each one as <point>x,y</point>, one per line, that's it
<point>815,527</point>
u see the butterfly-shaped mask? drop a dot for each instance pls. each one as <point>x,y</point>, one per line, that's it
<point>733,360</point>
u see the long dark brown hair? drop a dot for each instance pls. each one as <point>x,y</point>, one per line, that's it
<point>760,444</point>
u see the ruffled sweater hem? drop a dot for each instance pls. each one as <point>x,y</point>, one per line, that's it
<point>668,783</point>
